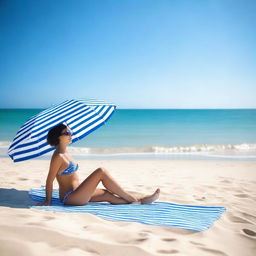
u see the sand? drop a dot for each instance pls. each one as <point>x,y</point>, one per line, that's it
<point>231,184</point>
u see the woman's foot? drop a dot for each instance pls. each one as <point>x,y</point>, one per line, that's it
<point>151,198</point>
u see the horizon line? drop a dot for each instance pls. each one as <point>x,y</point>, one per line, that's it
<point>237,108</point>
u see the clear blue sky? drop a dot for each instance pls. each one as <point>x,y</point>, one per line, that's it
<point>137,54</point>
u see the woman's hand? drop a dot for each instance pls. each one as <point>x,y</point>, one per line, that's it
<point>45,203</point>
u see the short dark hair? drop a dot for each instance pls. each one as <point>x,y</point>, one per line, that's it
<point>54,134</point>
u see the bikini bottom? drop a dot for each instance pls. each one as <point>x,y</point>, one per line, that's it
<point>66,196</point>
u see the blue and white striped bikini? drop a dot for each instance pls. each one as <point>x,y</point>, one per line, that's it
<point>72,168</point>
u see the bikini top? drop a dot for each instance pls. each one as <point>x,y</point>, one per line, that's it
<point>70,169</point>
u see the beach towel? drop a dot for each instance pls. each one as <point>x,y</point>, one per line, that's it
<point>190,217</point>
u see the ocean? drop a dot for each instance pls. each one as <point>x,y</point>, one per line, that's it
<point>157,133</point>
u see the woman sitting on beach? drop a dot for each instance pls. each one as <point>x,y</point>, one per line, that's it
<point>71,192</point>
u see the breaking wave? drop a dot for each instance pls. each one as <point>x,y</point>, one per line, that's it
<point>222,149</point>
<point>244,150</point>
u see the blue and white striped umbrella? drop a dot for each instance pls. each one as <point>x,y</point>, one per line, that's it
<point>81,116</point>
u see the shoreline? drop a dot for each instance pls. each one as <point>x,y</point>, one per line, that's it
<point>150,156</point>
<point>220,152</point>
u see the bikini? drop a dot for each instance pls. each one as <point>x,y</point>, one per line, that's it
<point>72,168</point>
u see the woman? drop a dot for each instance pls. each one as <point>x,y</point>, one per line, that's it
<point>71,192</point>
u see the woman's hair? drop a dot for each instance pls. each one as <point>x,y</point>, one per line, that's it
<point>54,134</point>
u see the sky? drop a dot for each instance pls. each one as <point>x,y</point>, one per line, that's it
<point>134,53</point>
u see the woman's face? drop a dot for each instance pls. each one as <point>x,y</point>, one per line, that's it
<point>65,137</point>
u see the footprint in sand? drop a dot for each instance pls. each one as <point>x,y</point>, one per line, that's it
<point>249,233</point>
<point>249,217</point>
<point>144,234</point>
<point>22,179</point>
<point>168,251</point>
<point>139,240</point>
<point>169,239</point>
<point>241,195</point>
<point>49,218</point>
<point>146,231</point>
<point>35,223</point>
<point>24,215</point>
<point>225,181</point>
<point>195,243</point>
<point>215,252</point>
<point>237,219</point>
<point>201,199</point>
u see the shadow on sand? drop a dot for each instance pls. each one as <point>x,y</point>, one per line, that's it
<point>10,197</point>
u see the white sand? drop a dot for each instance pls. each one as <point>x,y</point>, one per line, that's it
<point>26,231</point>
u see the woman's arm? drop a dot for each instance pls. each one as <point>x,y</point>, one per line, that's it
<point>54,167</point>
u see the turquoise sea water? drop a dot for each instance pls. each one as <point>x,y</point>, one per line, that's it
<point>161,132</point>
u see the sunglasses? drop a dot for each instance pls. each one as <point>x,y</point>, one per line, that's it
<point>67,133</point>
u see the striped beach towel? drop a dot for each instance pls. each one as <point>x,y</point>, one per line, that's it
<point>191,217</point>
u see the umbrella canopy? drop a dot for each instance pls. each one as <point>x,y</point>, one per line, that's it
<point>81,116</point>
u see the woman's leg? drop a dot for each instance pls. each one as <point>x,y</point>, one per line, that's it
<point>86,189</point>
<point>103,195</point>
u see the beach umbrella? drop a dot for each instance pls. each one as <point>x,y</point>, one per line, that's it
<point>81,116</point>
